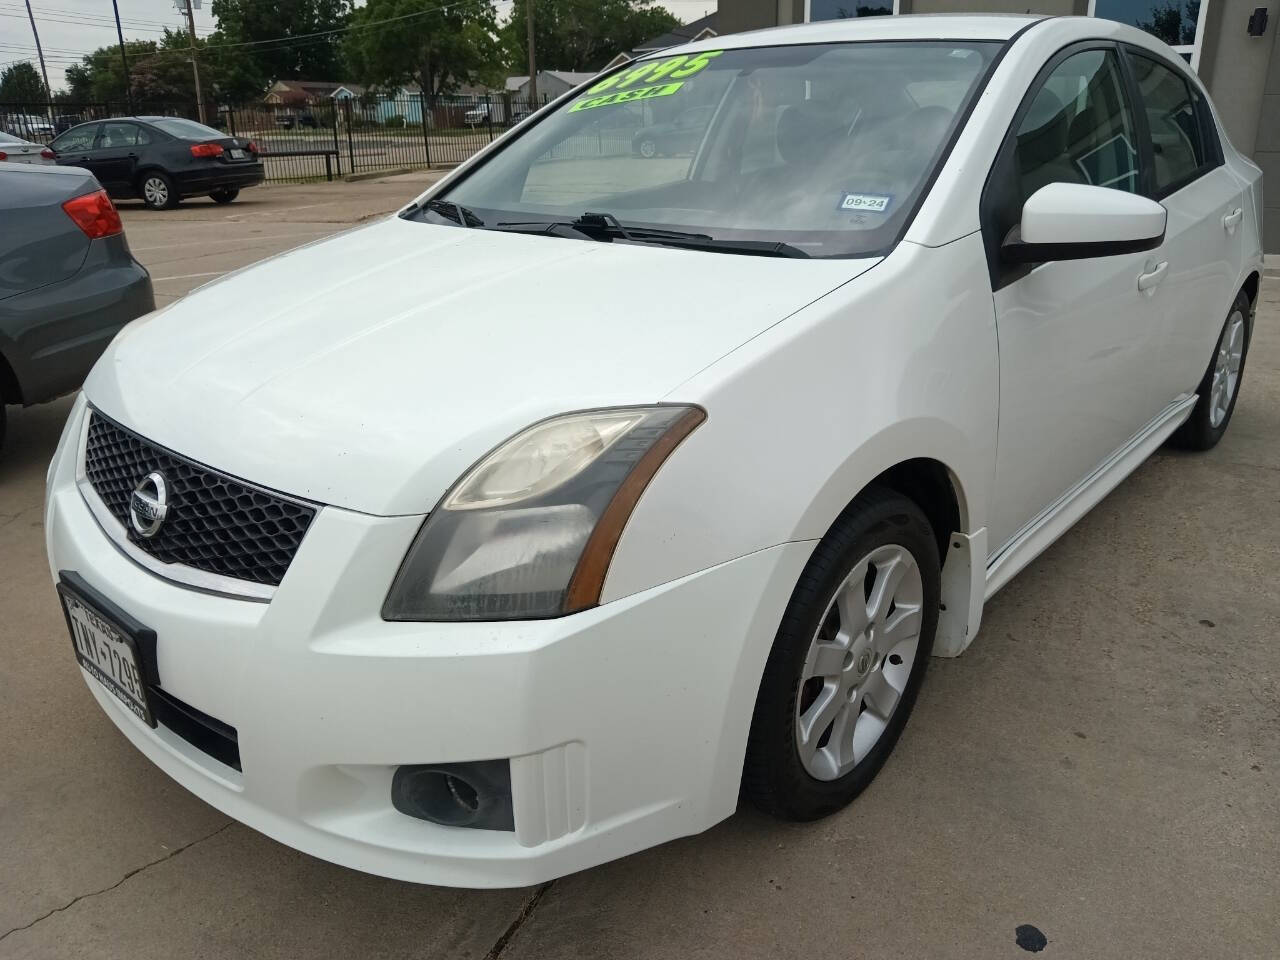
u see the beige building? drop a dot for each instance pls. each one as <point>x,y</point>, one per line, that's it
<point>1229,43</point>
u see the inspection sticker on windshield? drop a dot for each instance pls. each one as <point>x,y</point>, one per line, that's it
<point>874,202</point>
<point>672,71</point>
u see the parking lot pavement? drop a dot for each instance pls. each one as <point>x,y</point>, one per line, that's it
<point>1103,764</point>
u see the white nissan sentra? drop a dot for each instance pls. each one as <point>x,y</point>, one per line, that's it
<point>648,457</point>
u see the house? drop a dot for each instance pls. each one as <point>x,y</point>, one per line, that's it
<point>699,29</point>
<point>298,92</point>
<point>551,84</point>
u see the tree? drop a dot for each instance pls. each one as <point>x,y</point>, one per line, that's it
<point>100,75</point>
<point>20,83</point>
<point>251,65</point>
<point>436,46</point>
<point>1173,23</point>
<point>572,35</point>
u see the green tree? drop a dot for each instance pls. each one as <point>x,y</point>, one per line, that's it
<point>572,35</point>
<point>100,75</point>
<point>438,47</point>
<point>1173,23</point>
<point>21,83</point>
<point>247,65</point>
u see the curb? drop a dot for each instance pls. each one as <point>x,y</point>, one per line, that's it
<point>379,174</point>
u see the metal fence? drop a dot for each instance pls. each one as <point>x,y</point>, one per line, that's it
<point>315,139</point>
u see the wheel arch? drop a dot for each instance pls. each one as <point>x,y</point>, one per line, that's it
<point>10,388</point>
<point>1252,284</point>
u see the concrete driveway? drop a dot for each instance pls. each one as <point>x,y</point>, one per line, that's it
<point>1103,764</point>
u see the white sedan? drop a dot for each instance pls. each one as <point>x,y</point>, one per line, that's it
<point>526,528</point>
<point>16,150</point>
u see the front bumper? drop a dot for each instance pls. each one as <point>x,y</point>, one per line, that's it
<point>625,725</point>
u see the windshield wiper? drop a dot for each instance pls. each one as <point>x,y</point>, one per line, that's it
<point>600,226</point>
<point>460,214</point>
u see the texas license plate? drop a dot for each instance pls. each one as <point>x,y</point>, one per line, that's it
<point>107,652</point>
<point>237,154</point>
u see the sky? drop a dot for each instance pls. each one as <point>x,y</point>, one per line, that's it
<point>71,28</point>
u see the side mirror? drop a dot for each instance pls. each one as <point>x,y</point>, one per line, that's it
<point>1075,221</point>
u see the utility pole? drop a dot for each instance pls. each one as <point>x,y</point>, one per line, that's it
<point>124,57</point>
<point>533,60</point>
<point>48,91</point>
<point>195,65</point>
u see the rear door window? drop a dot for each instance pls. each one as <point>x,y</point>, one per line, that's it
<point>118,135</point>
<point>1180,151</point>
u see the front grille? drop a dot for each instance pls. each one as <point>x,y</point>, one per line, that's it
<point>215,523</point>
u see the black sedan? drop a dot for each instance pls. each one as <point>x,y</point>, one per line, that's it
<point>68,282</point>
<point>680,135</point>
<point>161,160</point>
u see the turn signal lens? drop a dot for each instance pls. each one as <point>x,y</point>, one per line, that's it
<point>206,149</point>
<point>95,214</point>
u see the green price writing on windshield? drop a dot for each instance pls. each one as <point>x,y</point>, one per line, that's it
<point>621,86</point>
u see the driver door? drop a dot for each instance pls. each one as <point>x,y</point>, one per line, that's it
<point>1078,338</point>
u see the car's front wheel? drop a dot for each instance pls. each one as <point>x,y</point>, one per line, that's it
<point>157,191</point>
<point>224,194</point>
<point>847,662</point>
<point>648,148</point>
<point>1220,385</point>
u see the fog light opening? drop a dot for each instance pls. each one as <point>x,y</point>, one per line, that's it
<point>476,794</point>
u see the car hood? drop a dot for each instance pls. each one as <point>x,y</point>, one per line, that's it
<point>369,370</point>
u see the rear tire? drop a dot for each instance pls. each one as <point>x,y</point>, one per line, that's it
<point>157,190</point>
<point>224,194</point>
<point>1220,386</point>
<point>648,148</point>
<point>853,646</point>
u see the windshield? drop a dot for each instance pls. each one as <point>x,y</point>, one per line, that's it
<point>185,129</point>
<point>823,148</point>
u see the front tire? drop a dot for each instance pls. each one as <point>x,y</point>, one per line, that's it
<point>224,194</point>
<point>157,191</point>
<point>1220,386</point>
<point>848,660</point>
<point>648,148</point>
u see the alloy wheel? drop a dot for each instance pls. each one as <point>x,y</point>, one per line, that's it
<point>1226,371</point>
<point>859,661</point>
<point>155,191</point>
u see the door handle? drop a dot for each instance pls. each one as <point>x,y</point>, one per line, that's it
<point>1232,219</point>
<point>1148,281</point>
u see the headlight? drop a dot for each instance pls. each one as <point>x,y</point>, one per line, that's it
<point>529,531</point>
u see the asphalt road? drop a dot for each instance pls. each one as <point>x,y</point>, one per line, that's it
<point>1103,764</point>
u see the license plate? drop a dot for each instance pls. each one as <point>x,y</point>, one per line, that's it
<point>107,652</point>
<point>237,154</point>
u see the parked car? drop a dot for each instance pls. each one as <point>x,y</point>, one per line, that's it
<point>477,114</point>
<point>69,282</point>
<point>29,126</point>
<point>289,121</point>
<point>63,122</point>
<point>161,160</point>
<point>474,582</point>
<point>678,135</point>
<point>16,150</point>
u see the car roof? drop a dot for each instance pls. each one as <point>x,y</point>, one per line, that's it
<point>920,26</point>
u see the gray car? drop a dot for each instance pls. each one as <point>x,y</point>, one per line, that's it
<point>67,281</point>
<point>16,150</point>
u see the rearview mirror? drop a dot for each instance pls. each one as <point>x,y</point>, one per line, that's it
<point>1074,221</point>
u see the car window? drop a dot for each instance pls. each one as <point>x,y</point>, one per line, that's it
<point>1080,128</point>
<point>1177,140</point>
<point>77,138</point>
<point>821,146</point>
<point>185,129</point>
<point>118,135</point>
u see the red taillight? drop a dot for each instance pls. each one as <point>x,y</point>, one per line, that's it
<point>3,155</point>
<point>252,147</point>
<point>47,153</point>
<point>206,149</point>
<point>95,214</point>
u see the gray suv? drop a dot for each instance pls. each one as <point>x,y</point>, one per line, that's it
<point>67,281</point>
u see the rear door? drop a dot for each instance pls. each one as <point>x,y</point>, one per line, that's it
<point>1204,243</point>
<point>1076,336</point>
<point>115,158</point>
